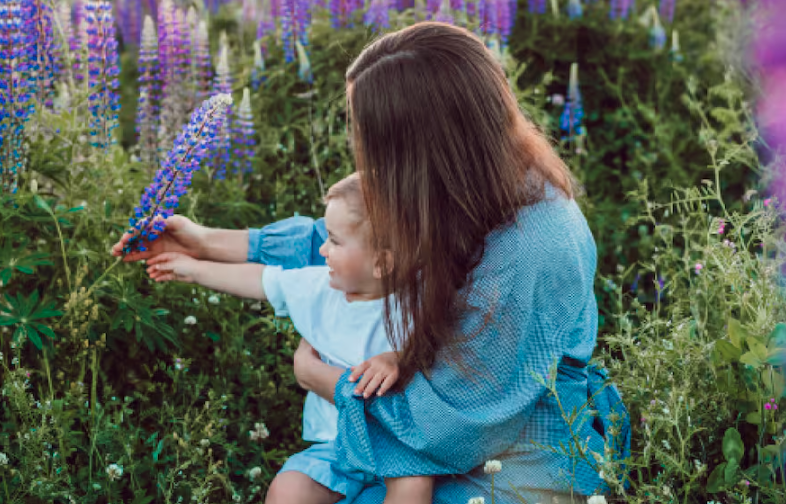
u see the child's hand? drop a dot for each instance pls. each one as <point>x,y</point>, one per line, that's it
<point>379,372</point>
<point>173,266</point>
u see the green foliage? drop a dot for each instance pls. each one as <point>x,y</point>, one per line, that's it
<point>119,389</point>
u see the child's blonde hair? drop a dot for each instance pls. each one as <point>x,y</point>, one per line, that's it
<point>350,191</point>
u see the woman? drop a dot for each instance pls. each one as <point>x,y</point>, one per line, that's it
<point>493,278</point>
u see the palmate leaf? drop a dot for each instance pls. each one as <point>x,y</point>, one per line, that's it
<point>26,313</point>
<point>15,259</point>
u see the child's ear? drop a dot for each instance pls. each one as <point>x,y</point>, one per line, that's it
<point>384,264</point>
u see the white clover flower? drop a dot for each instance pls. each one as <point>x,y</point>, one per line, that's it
<point>204,443</point>
<point>3,459</point>
<point>190,320</point>
<point>597,499</point>
<point>213,299</point>
<point>259,433</point>
<point>492,466</point>
<point>254,473</point>
<point>477,500</point>
<point>114,471</point>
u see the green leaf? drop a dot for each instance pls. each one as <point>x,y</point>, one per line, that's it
<point>728,351</point>
<point>730,473</point>
<point>34,336</point>
<point>40,203</point>
<point>158,449</point>
<point>732,445</point>
<point>750,359</point>
<point>759,350</point>
<point>213,336</point>
<point>736,333</point>
<point>715,481</point>
<point>47,331</point>
<point>754,417</point>
<point>778,336</point>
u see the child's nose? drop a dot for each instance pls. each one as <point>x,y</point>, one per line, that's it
<point>323,250</point>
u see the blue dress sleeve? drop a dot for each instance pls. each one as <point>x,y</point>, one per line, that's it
<point>289,243</point>
<point>537,286</point>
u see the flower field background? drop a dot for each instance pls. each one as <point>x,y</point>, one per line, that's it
<point>115,389</point>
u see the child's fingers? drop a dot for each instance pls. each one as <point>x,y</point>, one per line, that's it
<point>358,370</point>
<point>373,385</point>
<point>165,278</point>
<point>387,383</point>
<point>361,386</point>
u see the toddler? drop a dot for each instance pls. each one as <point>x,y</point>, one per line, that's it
<point>338,310</point>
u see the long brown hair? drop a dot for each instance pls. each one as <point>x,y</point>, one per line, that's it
<point>445,156</point>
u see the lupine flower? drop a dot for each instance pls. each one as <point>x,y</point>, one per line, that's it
<point>377,14</point>
<point>243,138</point>
<point>103,72</point>
<point>667,9</point>
<point>487,17</point>
<point>575,9</point>
<point>169,63</point>
<point>17,50</point>
<point>657,34</point>
<point>147,111</point>
<point>674,51</point>
<point>572,114</point>
<point>505,18</point>
<point>620,9</point>
<point>295,21</point>
<point>537,6</point>
<point>221,149</point>
<point>203,77</point>
<point>129,16</point>
<point>160,199</point>
<point>444,14</point>
<point>342,12</point>
<point>45,65</point>
<point>258,70</point>
<point>266,25</point>
<point>304,64</point>
<point>65,56</point>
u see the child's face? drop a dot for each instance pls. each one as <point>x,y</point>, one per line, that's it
<point>348,254</point>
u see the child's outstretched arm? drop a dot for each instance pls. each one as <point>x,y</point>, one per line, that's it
<point>379,374</point>
<point>239,279</point>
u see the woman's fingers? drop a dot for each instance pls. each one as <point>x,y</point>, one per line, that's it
<point>358,370</point>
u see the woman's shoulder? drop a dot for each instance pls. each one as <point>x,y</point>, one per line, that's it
<point>547,233</point>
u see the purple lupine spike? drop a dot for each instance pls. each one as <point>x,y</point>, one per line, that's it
<point>221,149</point>
<point>171,181</point>
<point>147,111</point>
<point>536,6</point>
<point>295,21</point>
<point>487,17</point>
<point>377,16</point>
<point>66,57</point>
<point>666,9</point>
<point>504,20</point>
<point>342,12</point>
<point>175,93</point>
<point>243,137</point>
<point>103,71</point>
<point>572,114</point>
<point>432,8</point>
<point>45,63</point>
<point>17,52</point>
<point>575,9</point>
<point>258,71</point>
<point>78,43</point>
<point>203,69</point>
<point>266,25</point>
<point>621,9</point>
<point>445,14</point>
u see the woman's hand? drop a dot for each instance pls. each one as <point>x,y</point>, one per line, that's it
<point>170,266</point>
<point>180,235</point>
<point>314,375</point>
<point>379,372</point>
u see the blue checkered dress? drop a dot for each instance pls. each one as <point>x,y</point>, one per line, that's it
<point>536,280</point>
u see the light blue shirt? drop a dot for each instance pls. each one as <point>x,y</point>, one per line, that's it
<point>345,334</point>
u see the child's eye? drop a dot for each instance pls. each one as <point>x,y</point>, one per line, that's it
<point>333,241</point>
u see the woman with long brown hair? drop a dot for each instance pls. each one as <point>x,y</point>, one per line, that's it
<point>492,286</point>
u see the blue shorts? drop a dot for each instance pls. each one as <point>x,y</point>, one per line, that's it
<point>320,463</point>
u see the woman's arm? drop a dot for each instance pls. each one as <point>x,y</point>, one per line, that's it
<point>225,245</point>
<point>314,375</point>
<point>289,243</point>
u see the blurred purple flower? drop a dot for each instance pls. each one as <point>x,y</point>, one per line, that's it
<point>620,9</point>
<point>243,136</point>
<point>103,72</point>
<point>575,9</point>
<point>160,198</point>
<point>536,6</point>
<point>149,87</point>
<point>377,15</point>
<point>667,9</point>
